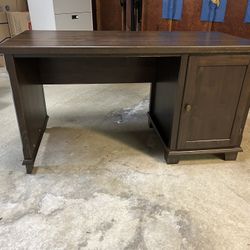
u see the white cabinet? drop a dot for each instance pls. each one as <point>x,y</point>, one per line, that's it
<point>61,14</point>
<point>74,21</point>
<point>71,6</point>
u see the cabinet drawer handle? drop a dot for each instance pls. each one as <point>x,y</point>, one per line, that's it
<point>75,17</point>
<point>188,107</point>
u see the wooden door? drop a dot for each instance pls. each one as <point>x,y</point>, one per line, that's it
<point>212,99</point>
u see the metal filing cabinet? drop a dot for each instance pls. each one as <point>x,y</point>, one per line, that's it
<point>61,14</point>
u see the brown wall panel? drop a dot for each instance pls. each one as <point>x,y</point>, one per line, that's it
<point>153,20</point>
<point>152,16</point>
<point>108,15</point>
<point>191,17</point>
<point>234,20</point>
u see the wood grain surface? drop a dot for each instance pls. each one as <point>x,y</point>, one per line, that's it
<point>118,43</point>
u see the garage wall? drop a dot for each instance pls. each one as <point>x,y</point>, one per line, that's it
<point>234,20</point>
<point>109,17</point>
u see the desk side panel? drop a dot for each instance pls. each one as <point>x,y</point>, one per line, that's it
<point>166,97</point>
<point>29,103</point>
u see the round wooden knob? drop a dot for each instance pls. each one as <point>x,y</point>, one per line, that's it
<point>188,108</point>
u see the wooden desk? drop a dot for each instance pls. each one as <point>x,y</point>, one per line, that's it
<point>200,91</point>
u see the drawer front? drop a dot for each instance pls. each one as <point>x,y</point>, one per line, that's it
<point>71,6</point>
<point>75,21</point>
<point>4,32</point>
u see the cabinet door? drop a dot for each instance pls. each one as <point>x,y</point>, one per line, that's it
<point>212,102</point>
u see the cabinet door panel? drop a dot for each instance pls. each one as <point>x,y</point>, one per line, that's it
<point>212,94</point>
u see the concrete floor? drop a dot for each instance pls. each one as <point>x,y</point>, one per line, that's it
<point>101,181</point>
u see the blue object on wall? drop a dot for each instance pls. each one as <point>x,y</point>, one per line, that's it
<point>247,17</point>
<point>213,10</point>
<point>172,9</point>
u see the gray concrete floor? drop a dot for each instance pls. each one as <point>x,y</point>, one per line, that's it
<point>101,181</point>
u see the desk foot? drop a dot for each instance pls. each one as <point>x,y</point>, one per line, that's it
<point>29,164</point>
<point>171,159</point>
<point>29,168</point>
<point>29,161</point>
<point>230,156</point>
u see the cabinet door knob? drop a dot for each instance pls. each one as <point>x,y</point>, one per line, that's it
<point>188,107</point>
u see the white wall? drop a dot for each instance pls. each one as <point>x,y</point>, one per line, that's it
<point>42,14</point>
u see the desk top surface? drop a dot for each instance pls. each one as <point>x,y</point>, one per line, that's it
<point>123,43</point>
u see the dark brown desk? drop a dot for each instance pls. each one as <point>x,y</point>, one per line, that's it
<point>200,92</point>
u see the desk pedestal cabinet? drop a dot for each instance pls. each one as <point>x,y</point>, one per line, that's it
<point>207,114</point>
<point>198,103</point>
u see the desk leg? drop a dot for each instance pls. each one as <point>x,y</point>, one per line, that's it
<point>30,105</point>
